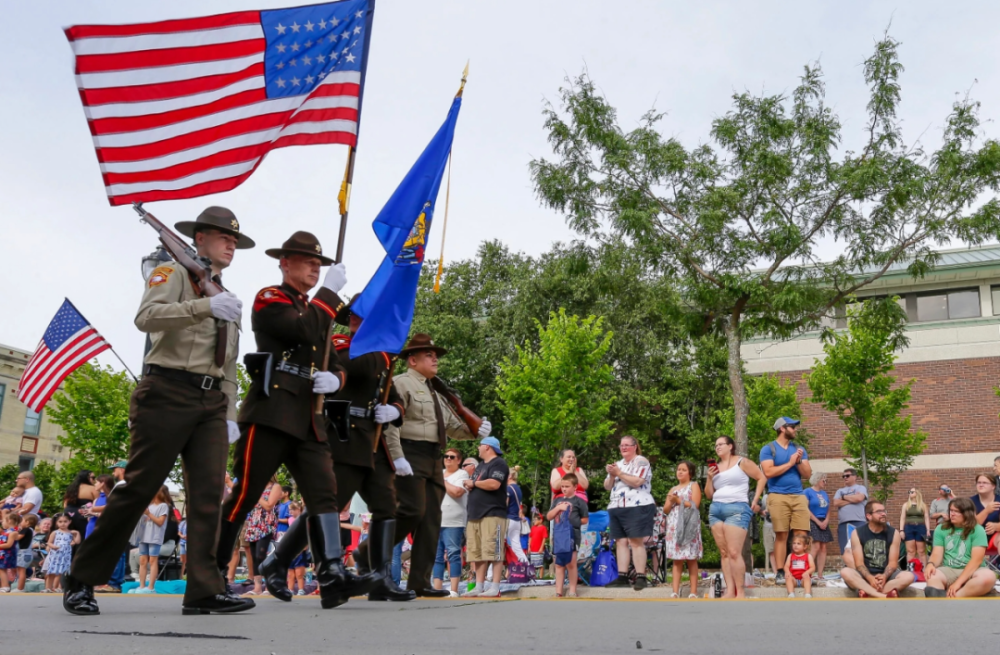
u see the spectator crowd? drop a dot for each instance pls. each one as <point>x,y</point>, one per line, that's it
<point>949,544</point>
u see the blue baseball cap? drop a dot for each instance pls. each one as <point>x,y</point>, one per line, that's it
<point>783,421</point>
<point>493,442</point>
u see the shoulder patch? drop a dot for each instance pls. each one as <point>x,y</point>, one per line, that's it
<point>269,296</point>
<point>160,275</point>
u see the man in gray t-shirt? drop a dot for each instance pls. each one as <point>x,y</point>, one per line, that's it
<point>939,506</point>
<point>850,503</point>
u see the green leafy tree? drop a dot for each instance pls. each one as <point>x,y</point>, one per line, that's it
<point>855,381</point>
<point>739,219</point>
<point>555,396</point>
<point>769,398</point>
<point>92,408</point>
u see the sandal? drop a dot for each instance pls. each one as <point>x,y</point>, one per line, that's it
<point>892,594</point>
<point>862,593</point>
<point>558,595</point>
<point>674,595</point>
<point>692,595</point>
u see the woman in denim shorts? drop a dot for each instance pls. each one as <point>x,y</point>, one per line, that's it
<point>728,485</point>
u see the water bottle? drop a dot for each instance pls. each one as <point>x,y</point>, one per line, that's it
<point>717,585</point>
<point>309,576</point>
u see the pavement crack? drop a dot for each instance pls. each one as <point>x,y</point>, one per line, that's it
<point>174,635</point>
<point>449,605</point>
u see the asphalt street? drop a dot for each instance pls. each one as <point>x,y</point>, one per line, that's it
<point>37,625</point>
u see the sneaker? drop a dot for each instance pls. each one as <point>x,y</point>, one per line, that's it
<point>809,595</point>
<point>780,579</point>
<point>491,591</point>
<point>640,583</point>
<point>15,590</point>
<point>145,590</point>
<point>474,592</point>
<point>791,595</point>
<point>452,594</point>
<point>300,592</point>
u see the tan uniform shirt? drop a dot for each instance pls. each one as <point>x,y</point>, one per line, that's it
<point>419,420</point>
<point>183,331</point>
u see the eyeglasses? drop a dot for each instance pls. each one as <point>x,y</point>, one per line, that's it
<point>627,445</point>
<point>846,477</point>
<point>913,491</point>
<point>878,511</point>
<point>451,456</point>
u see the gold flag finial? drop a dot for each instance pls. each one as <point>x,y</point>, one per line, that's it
<point>465,76</point>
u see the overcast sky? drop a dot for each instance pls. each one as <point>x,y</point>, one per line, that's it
<point>60,238</point>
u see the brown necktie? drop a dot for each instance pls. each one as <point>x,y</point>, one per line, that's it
<point>222,336</point>
<point>439,417</point>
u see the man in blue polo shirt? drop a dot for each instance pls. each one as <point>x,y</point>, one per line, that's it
<point>284,512</point>
<point>785,464</point>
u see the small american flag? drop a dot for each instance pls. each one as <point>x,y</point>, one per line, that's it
<point>188,107</point>
<point>68,343</point>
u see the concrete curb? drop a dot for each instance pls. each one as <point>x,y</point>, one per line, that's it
<point>663,593</point>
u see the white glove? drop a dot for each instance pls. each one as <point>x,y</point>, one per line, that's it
<point>226,306</point>
<point>386,413</point>
<point>335,278</point>
<point>325,382</point>
<point>485,429</point>
<point>403,467</point>
<point>234,431</point>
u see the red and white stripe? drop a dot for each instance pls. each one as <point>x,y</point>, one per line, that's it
<point>177,108</point>
<point>47,369</point>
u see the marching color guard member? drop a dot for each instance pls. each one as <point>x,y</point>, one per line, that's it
<point>428,422</point>
<point>362,465</point>
<point>278,421</point>
<point>185,405</point>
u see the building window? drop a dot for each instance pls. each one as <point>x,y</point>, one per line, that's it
<point>948,305</point>
<point>996,301</point>
<point>32,423</point>
<point>25,463</point>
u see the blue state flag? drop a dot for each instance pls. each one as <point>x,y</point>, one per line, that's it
<point>386,304</point>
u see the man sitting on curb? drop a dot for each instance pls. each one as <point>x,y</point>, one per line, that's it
<point>873,571</point>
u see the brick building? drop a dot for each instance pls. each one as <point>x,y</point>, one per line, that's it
<point>25,437</point>
<point>954,357</point>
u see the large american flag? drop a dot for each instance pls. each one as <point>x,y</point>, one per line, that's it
<point>184,108</point>
<point>68,343</point>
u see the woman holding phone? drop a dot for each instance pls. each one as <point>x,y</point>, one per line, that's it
<point>728,486</point>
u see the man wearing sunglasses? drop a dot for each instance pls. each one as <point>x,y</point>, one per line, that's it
<point>850,504</point>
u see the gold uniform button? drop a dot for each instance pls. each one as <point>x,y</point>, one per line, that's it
<point>275,386</point>
<point>314,348</point>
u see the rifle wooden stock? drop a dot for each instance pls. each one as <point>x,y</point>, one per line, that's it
<point>472,421</point>
<point>199,268</point>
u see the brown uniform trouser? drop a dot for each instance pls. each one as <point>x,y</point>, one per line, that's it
<point>419,511</point>
<point>260,451</point>
<point>168,418</point>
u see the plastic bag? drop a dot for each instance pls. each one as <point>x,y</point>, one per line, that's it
<point>605,569</point>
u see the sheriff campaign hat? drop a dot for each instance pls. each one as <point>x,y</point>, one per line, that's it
<point>216,218</point>
<point>300,243</point>
<point>344,315</point>
<point>421,341</point>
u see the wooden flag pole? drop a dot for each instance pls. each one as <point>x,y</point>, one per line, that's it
<point>447,196</point>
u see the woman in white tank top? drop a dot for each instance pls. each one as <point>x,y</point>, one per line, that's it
<point>728,485</point>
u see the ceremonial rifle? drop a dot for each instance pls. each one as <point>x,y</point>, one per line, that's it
<point>472,421</point>
<point>200,269</point>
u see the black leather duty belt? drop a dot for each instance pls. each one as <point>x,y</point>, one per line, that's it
<point>204,382</point>
<point>294,369</point>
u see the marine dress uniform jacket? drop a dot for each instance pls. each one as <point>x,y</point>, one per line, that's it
<point>180,407</point>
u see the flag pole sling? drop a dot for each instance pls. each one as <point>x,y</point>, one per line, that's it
<point>344,197</point>
<point>110,347</point>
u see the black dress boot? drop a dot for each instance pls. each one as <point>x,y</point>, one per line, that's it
<point>78,598</point>
<point>336,584</point>
<point>381,539</point>
<point>229,533</point>
<point>274,569</point>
